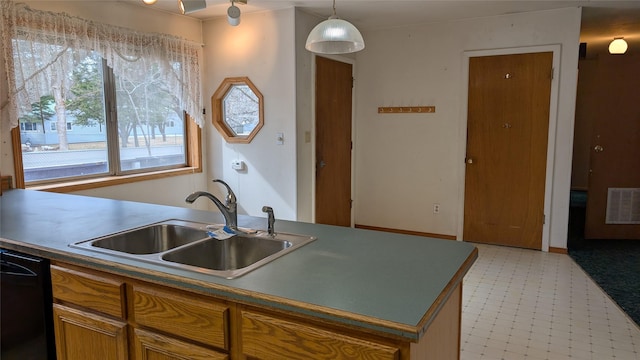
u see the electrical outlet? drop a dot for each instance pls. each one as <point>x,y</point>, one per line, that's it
<point>436,208</point>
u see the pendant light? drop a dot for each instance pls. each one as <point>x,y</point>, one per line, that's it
<point>618,46</point>
<point>334,36</point>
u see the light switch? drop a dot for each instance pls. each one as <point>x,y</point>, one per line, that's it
<point>279,138</point>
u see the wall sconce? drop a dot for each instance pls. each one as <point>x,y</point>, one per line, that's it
<point>189,6</point>
<point>618,46</point>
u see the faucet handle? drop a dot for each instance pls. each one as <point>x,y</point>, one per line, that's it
<point>231,197</point>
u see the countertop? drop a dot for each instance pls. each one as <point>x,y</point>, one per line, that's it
<point>385,282</point>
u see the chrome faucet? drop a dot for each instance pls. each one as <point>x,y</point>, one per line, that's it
<point>229,209</point>
<point>270,220</point>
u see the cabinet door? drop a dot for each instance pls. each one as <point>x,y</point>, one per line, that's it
<point>81,335</point>
<point>152,346</point>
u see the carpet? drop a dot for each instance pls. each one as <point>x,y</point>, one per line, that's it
<point>613,264</point>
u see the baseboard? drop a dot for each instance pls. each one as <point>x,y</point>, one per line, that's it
<point>557,250</point>
<point>406,232</point>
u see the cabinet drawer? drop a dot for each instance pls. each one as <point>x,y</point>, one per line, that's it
<point>92,291</point>
<point>266,337</point>
<point>187,316</point>
<point>149,345</point>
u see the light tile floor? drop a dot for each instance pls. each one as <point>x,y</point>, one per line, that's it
<point>533,305</point>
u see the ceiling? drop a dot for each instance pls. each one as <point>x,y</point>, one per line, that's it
<point>602,19</point>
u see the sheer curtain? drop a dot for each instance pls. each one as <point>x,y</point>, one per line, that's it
<point>38,58</point>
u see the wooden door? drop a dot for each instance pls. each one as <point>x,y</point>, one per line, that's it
<point>334,82</point>
<point>615,147</point>
<point>507,131</point>
<point>81,335</point>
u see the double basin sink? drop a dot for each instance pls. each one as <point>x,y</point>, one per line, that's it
<point>188,245</point>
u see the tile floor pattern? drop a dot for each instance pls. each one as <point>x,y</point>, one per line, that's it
<point>532,305</point>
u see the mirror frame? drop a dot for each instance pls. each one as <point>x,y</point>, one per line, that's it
<point>217,108</point>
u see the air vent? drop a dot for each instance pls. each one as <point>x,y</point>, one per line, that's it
<point>623,206</point>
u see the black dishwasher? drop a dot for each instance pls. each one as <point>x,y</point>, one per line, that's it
<point>26,319</point>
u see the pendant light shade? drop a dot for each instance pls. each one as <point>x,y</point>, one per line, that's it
<point>618,46</point>
<point>334,36</point>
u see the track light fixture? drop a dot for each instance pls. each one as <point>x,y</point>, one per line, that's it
<point>185,6</point>
<point>189,6</point>
<point>233,14</point>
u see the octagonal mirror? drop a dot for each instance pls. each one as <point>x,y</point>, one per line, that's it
<point>237,110</point>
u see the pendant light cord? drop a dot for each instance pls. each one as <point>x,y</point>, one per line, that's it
<point>334,8</point>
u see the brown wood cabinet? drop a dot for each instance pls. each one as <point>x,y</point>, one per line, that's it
<point>88,316</point>
<point>123,318</point>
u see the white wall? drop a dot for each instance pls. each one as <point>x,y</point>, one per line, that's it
<point>406,163</point>
<point>168,191</point>
<point>262,48</point>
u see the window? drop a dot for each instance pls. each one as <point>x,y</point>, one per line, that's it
<point>28,126</point>
<point>129,97</point>
<point>133,138</point>
<point>53,126</point>
<point>238,112</point>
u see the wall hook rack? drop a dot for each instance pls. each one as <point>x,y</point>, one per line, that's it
<point>406,109</point>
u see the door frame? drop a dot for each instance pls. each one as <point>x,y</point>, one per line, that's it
<point>352,62</point>
<point>551,140</point>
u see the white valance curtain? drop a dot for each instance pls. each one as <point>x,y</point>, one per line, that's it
<point>44,59</point>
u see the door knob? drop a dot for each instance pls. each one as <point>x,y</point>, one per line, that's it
<point>322,164</point>
<point>469,161</point>
<point>598,148</point>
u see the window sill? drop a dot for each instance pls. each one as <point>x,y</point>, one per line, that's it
<point>87,184</point>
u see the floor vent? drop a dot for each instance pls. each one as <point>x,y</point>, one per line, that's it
<point>623,206</point>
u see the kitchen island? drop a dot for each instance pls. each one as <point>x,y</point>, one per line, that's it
<point>351,293</point>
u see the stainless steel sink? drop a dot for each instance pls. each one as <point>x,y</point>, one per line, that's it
<point>187,245</point>
<point>151,239</point>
